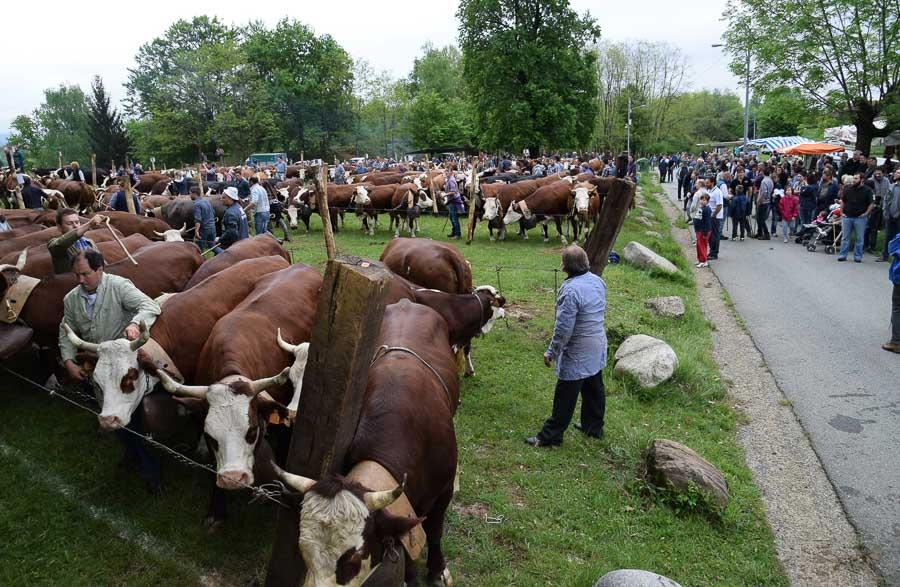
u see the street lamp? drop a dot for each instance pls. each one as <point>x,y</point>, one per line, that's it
<point>628,126</point>
<point>746,97</point>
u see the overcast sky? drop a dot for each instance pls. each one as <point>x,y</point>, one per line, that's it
<point>103,38</point>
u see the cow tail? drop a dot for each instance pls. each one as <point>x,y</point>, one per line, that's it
<point>463,274</point>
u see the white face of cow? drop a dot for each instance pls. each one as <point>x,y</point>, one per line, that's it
<point>491,208</point>
<point>582,199</point>
<point>122,382</point>
<point>292,215</point>
<point>234,435</point>
<point>361,197</point>
<point>496,311</point>
<point>418,182</point>
<point>328,529</point>
<point>424,200</point>
<point>512,214</point>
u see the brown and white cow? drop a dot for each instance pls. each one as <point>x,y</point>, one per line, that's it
<point>263,245</point>
<point>406,428</point>
<point>428,263</point>
<point>556,201</point>
<point>495,200</point>
<point>40,264</point>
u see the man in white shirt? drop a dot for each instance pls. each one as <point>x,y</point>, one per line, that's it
<point>716,202</point>
<point>259,203</point>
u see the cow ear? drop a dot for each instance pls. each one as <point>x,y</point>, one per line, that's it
<point>272,411</point>
<point>387,524</point>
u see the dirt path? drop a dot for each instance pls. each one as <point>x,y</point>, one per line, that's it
<point>814,540</point>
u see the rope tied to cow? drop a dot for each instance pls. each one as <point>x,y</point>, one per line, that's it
<point>260,492</point>
<point>385,349</point>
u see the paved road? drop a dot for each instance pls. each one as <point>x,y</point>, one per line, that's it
<point>820,325</point>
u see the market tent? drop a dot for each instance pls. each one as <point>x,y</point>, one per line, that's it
<point>811,149</point>
<point>772,143</point>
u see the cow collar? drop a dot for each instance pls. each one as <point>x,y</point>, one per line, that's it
<point>375,477</point>
<point>161,359</point>
<point>15,297</point>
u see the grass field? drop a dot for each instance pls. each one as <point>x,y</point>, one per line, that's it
<point>523,516</point>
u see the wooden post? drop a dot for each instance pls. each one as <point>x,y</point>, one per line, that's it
<point>302,158</point>
<point>320,179</point>
<point>129,201</point>
<point>112,168</point>
<point>59,159</point>
<point>434,208</point>
<point>94,169</point>
<point>613,210</point>
<point>345,331</point>
<point>473,187</point>
<point>200,179</point>
<point>19,201</point>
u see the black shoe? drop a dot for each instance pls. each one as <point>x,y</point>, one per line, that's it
<point>712,257</point>
<point>857,260</point>
<point>842,259</point>
<point>881,260</point>
<point>581,429</point>
<point>538,443</point>
<point>724,238</point>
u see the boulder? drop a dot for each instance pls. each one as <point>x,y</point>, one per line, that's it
<point>652,233</point>
<point>668,306</point>
<point>634,578</point>
<point>640,256</point>
<point>644,221</point>
<point>673,465</point>
<point>649,360</point>
<point>647,214</point>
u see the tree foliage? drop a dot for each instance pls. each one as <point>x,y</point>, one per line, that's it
<point>841,55</point>
<point>530,80</point>
<point>60,124</point>
<point>108,137</point>
<point>782,112</point>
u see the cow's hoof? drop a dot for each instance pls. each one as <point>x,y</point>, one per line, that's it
<point>491,239</point>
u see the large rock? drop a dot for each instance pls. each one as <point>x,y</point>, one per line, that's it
<point>649,360</point>
<point>634,578</point>
<point>640,256</point>
<point>647,214</point>
<point>668,306</point>
<point>652,233</point>
<point>670,464</point>
<point>644,221</point>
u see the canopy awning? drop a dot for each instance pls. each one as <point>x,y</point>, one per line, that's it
<point>811,149</point>
<point>772,143</point>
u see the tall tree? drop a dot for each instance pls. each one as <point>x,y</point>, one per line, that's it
<point>842,55</point>
<point>782,112</point>
<point>60,124</point>
<point>108,137</point>
<point>438,115</point>
<point>529,78</point>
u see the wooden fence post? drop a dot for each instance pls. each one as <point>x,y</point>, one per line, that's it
<point>129,201</point>
<point>19,201</point>
<point>94,169</point>
<point>59,159</point>
<point>473,187</point>
<point>200,179</point>
<point>345,331</point>
<point>320,178</point>
<point>434,207</point>
<point>610,218</point>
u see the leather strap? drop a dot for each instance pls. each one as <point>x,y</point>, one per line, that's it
<point>15,298</point>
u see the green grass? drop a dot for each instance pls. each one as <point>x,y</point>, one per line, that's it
<point>568,514</point>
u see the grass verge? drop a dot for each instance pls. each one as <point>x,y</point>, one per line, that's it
<point>523,516</point>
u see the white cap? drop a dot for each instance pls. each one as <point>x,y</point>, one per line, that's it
<point>231,193</point>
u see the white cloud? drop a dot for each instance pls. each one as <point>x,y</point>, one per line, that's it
<point>70,46</point>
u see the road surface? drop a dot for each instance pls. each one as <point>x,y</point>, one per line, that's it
<point>820,325</point>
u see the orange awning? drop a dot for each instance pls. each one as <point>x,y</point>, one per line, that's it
<point>811,149</point>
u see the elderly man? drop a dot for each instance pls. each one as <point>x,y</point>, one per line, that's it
<point>891,212</point>
<point>234,221</point>
<point>454,204</point>
<point>579,348</point>
<point>105,307</point>
<point>71,240</point>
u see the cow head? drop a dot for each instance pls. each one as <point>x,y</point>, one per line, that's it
<point>513,214</point>
<point>118,375</point>
<point>495,302</point>
<point>235,420</point>
<point>491,208</point>
<point>361,196</point>
<point>417,181</point>
<point>424,201</point>
<point>343,526</point>
<point>582,193</point>
<point>173,234</point>
<point>300,352</point>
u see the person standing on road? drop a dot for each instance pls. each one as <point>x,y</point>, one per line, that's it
<point>880,186</point>
<point>807,193</point>
<point>578,346</point>
<point>702,228</point>
<point>740,204</point>
<point>857,203</point>
<point>891,211</point>
<point>716,202</point>
<point>790,210</point>
<point>893,248</point>
<point>763,201</point>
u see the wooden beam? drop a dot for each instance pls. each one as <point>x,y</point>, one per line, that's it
<point>473,178</point>
<point>434,207</point>
<point>320,178</point>
<point>59,159</point>
<point>610,218</point>
<point>129,201</point>
<point>345,332</point>
<point>94,169</point>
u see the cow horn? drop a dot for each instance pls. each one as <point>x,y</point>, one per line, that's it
<point>286,346</point>
<point>20,262</point>
<point>175,388</point>
<point>267,382</point>
<point>80,344</point>
<point>158,233</point>
<point>184,228</point>
<point>298,483</point>
<point>142,339</point>
<point>377,500</point>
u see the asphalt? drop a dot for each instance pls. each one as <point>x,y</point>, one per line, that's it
<point>819,325</point>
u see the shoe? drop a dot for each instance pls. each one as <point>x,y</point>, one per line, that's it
<point>723,238</point>
<point>742,239</point>
<point>857,260</point>
<point>892,347</point>
<point>881,260</point>
<point>842,259</point>
<point>581,429</point>
<point>538,443</point>
<point>712,258</point>
<point>700,265</point>
<point>693,243</point>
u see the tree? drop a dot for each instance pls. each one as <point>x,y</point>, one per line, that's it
<point>58,125</point>
<point>528,77</point>
<point>108,137</point>
<point>783,112</point>
<point>438,115</point>
<point>841,55</point>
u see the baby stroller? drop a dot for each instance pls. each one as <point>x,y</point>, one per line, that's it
<point>824,230</point>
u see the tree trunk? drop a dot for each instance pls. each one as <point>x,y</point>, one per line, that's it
<point>865,132</point>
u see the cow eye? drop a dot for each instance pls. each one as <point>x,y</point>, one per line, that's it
<point>250,437</point>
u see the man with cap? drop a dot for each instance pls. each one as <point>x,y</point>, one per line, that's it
<point>71,240</point>
<point>234,221</point>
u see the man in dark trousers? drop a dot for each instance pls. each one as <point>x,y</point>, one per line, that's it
<point>579,348</point>
<point>857,203</point>
<point>32,196</point>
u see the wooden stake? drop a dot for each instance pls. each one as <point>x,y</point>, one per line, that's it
<point>613,210</point>
<point>129,201</point>
<point>434,208</point>
<point>94,169</point>
<point>59,159</point>
<point>473,178</point>
<point>320,178</point>
<point>19,201</point>
<point>200,179</point>
<point>345,332</point>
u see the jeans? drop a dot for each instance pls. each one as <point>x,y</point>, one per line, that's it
<point>891,228</point>
<point>454,221</point>
<point>806,215</point>
<point>788,228</point>
<point>776,218</point>
<point>207,238</point>
<point>593,408</point>
<point>895,314</point>
<point>850,224</point>
<point>874,223</point>
<point>715,237</point>
<point>762,214</point>
<point>261,222</point>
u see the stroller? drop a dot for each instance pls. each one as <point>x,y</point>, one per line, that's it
<point>825,230</point>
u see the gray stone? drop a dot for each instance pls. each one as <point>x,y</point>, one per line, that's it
<point>644,221</point>
<point>649,360</point>
<point>641,256</point>
<point>634,578</point>
<point>652,233</point>
<point>670,464</point>
<point>669,306</point>
<point>647,214</point>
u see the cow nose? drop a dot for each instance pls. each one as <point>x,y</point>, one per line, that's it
<point>108,423</point>
<point>232,480</point>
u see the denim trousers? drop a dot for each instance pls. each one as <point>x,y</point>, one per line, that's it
<point>891,228</point>
<point>715,237</point>
<point>788,227</point>
<point>806,215</point>
<point>261,222</point>
<point>593,408</point>
<point>850,224</point>
<point>455,229</point>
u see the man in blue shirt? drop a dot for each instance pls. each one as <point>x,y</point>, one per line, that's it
<point>234,221</point>
<point>579,348</point>
<point>280,169</point>
<point>894,275</point>
<point>204,224</point>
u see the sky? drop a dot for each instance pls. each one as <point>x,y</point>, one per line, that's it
<point>75,45</point>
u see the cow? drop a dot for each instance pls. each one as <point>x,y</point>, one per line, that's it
<point>556,200</point>
<point>430,264</point>
<point>495,201</point>
<point>405,429</point>
<point>21,231</point>
<point>40,263</point>
<point>80,196</point>
<point>155,201</point>
<point>406,202</point>
<point>262,245</point>
<point>42,237</point>
<point>129,223</point>
<point>174,234</point>
<point>377,199</point>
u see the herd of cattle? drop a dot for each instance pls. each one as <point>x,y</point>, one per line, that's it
<point>401,192</point>
<point>229,354</point>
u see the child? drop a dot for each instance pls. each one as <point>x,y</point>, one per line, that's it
<point>740,204</point>
<point>703,229</point>
<point>789,206</point>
